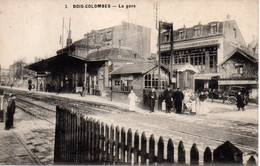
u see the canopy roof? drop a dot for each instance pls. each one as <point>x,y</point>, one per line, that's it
<point>60,62</point>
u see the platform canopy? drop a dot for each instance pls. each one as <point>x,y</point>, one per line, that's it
<point>60,63</point>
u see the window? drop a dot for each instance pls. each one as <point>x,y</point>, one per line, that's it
<point>213,29</point>
<point>181,34</point>
<point>235,33</point>
<point>240,69</point>
<point>197,32</point>
<point>166,37</point>
<point>126,83</point>
<point>151,80</point>
<point>212,61</point>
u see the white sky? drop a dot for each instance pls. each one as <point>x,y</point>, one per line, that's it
<point>30,28</point>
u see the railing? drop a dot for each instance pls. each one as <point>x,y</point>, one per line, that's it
<point>83,140</point>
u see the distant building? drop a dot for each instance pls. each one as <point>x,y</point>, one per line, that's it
<point>204,47</point>
<point>136,37</point>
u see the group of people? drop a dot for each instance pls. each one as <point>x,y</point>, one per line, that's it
<point>180,101</point>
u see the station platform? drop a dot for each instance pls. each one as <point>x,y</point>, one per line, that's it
<point>87,98</point>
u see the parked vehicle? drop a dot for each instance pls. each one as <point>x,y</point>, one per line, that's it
<point>231,94</point>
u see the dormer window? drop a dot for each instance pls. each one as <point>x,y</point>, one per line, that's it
<point>197,32</point>
<point>181,34</point>
<point>166,37</point>
<point>213,29</point>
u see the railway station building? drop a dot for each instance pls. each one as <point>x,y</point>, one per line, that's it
<point>88,61</point>
<point>206,48</point>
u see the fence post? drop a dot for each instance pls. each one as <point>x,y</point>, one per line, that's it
<point>151,149</point>
<point>111,157</point>
<point>71,136</point>
<point>89,139</point>
<point>97,142</point>
<point>85,154</point>
<point>207,156</point>
<point>82,144</point>
<point>227,153</point>
<point>78,139</point>
<point>117,145</point>
<point>181,153</point>
<point>194,155</point>
<point>136,147</point>
<point>57,137</point>
<point>74,152</point>
<point>123,145</point>
<point>170,151</point>
<point>129,146</point>
<point>102,144</point>
<point>160,150</point>
<point>107,144</point>
<point>143,148</point>
<point>251,161</point>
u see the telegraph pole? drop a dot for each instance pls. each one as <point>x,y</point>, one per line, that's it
<point>171,60</point>
<point>159,54</point>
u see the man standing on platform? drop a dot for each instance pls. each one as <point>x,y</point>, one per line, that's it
<point>10,112</point>
<point>178,97</point>
<point>153,98</point>
<point>167,94</point>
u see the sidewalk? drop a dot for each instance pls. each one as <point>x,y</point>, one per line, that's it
<point>12,152</point>
<point>88,98</point>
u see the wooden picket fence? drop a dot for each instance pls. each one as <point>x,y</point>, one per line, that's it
<point>82,140</point>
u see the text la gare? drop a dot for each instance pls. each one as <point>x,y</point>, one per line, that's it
<point>126,6</point>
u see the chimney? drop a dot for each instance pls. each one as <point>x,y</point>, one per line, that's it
<point>69,40</point>
<point>228,17</point>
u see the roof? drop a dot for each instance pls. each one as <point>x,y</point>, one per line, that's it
<point>46,64</point>
<point>134,69</point>
<point>243,52</point>
<point>113,53</point>
<point>82,43</point>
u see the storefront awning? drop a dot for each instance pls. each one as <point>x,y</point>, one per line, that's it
<point>205,76</point>
<point>185,67</point>
<point>237,82</point>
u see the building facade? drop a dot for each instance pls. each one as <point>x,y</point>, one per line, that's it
<point>204,47</point>
<point>135,37</point>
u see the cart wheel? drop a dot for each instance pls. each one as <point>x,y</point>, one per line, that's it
<point>232,100</point>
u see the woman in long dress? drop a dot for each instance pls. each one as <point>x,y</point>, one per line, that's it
<point>203,108</point>
<point>193,103</point>
<point>132,97</point>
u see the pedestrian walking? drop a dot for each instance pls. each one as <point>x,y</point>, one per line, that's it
<point>132,99</point>
<point>10,112</point>
<point>178,97</point>
<point>167,95</point>
<point>240,101</point>
<point>153,98</point>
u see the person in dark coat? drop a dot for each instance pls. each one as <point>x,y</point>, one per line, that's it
<point>10,112</point>
<point>153,98</point>
<point>240,101</point>
<point>168,97</point>
<point>178,97</point>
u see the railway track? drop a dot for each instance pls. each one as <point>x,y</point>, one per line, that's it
<point>82,108</point>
